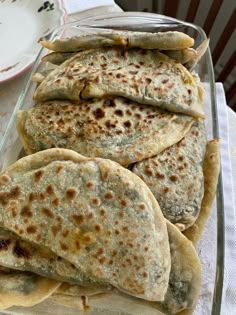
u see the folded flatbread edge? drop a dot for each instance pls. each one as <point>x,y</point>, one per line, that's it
<point>211,170</point>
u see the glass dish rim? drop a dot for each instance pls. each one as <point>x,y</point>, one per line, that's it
<point>158,20</point>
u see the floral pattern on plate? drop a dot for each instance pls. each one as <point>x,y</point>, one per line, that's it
<point>22,24</point>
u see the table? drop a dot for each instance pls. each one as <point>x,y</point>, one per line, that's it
<point>10,91</point>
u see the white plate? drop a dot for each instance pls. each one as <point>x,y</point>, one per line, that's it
<point>22,24</point>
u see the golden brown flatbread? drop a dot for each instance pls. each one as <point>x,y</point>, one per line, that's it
<point>211,169</point>
<point>96,39</point>
<point>144,76</point>
<point>185,276</point>
<point>175,176</point>
<point>23,288</point>
<point>200,51</point>
<point>183,56</point>
<point>58,58</point>
<point>23,255</point>
<point>183,289</point>
<point>102,218</point>
<point>113,128</point>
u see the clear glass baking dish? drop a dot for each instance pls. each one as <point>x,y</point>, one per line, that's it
<point>211,246</point>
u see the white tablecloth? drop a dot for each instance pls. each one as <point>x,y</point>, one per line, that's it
<point>10,91</point>
<point>227,127</point>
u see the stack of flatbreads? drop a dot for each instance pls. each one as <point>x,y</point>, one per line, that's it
<point>118,180</point>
